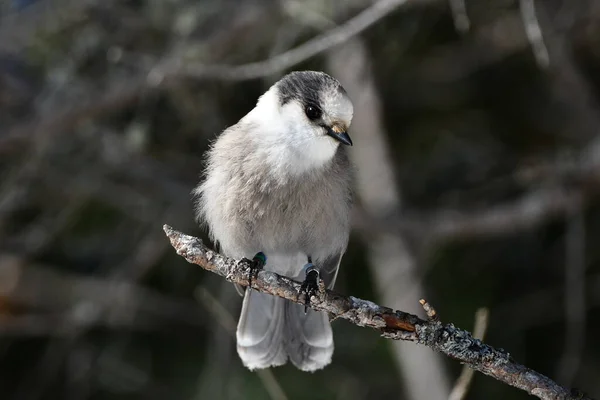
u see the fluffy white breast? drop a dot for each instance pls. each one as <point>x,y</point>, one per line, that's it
<point>289,142</point>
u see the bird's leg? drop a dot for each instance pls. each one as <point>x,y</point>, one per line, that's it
<point>256,264</point>
<point>310,286</point>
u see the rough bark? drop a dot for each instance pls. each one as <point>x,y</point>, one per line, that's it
<point>393,324</point>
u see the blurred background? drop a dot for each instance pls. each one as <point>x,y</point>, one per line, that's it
<point>477,144</point>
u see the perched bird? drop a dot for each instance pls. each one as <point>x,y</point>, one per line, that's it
<point>279,182</point>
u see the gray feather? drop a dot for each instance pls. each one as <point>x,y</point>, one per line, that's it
<point>276,215</point>
<point>309,339</point>
<point>260,331</point>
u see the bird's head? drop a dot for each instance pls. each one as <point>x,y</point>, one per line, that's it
<point>308,113</point>
<point>317,103</point>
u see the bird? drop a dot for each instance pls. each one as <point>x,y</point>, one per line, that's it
<point>279,183</point>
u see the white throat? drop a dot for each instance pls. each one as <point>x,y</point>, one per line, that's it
<point>288,142</point>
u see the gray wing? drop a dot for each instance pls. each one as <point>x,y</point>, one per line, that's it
<point>329,268</point>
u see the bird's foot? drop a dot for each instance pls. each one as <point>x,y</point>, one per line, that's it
<point>255,265</point>
<point>310,286</point>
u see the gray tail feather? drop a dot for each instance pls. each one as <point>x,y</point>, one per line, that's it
<point>260,331</point>
<point>309,340</point>
<point>272,329</point>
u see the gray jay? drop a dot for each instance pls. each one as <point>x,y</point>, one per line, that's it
<point>279,182</point>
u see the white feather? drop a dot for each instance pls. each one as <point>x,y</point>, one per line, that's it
<point>291,143</point>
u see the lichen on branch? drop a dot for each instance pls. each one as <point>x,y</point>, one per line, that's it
<point>397,325</point>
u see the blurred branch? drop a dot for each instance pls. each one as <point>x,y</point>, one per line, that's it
<point>396,325</point>
<point>174,68</point>
<point>19,27</point>
<point>62,117</point>
<point>484,46</point>
<point>557,188</point>
<point>531,210</point>
<point>569,82</point>
<point>460,16</point>
<point>71,303</point>
<point>534,32</point>
<point>278,63</point>
<point>391,259</point>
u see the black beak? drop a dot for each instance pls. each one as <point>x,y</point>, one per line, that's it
<point>339,135</point>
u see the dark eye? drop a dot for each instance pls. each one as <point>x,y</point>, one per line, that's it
<point>313,112</point>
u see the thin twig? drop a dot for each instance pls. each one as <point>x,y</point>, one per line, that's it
<point>429,310</point>
<point>396,325</point>
<point>460,16</point>
<point>463,382</point>
<point>534,32</point>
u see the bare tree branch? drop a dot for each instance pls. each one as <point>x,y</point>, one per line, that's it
<point>463,383</point>
<point>396,325</point>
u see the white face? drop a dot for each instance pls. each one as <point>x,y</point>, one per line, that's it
<point>292,140</point>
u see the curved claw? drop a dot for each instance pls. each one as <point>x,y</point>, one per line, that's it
<point>310,286</point>
<point>256,264</point>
